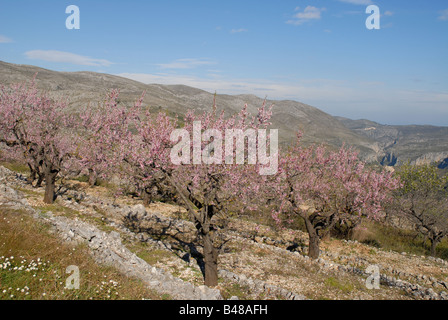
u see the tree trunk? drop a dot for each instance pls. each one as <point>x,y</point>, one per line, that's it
<point>93,177</point>
<point>39,181</point>
<point>210,252</point>
<point>33,175</point>
<point>50,181</point>
<point>210,262</point>
<point>149,195</point>
<point>313,247</point>
<point>434,243</point>
<point>146,197</point>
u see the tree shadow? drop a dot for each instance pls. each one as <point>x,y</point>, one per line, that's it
<point>169,234</point>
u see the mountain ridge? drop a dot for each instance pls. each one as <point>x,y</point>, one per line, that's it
<point>421,143</point>
<point>289,116</point>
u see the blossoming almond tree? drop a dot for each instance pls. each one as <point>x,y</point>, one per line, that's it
<point>423,199</point>
<point>323,187</point>
<point>41,128</point>
<point>104,130</point>
<point>205,189</point>
<point>12,136</point>
<point>208,189</point>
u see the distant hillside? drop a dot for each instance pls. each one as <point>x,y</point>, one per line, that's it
<point>82,88</point>
<point>419,144</point>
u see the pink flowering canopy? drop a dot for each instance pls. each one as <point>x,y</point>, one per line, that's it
<point>35,121</point>
<point>331,182</point>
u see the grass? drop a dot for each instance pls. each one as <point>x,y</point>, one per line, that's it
<point>15,166</point>
<point>399,240</point>
<point>345,287</point>
<point>33,265</point>
<point>82,178</point>
<point>58,210</point>
<point>99,182</point>
<point>150,256</point>
<point>229,290</point>
<point>29,192</point>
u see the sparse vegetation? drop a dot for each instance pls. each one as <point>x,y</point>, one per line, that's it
<point>15,166</point>
<point>401,240</point>
<point>33,266</point>
<point>423,200</point>
<point>335,283</point>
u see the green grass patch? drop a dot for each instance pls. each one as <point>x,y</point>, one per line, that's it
<point>29,192</point>
<point>400,240</point>
<point>334,283</point>
<point>59,210</point>
<point>82,178</point>
<point>16,166</point>
<point>229,290</point>
<point>33,265</point>
<point>151,256</point>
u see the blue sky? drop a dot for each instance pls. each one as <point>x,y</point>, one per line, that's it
<point>314,51</point>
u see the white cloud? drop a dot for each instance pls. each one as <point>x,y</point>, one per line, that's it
<point>4,39</point>
<point>66,57</point>
<point>308,14</point>
<point>443,15</point>
<point>358,2</point>
<point>369,100</point>
<point>304,90</point>
<point>219,84</point>
<point>238,30</point>
<point>388,13</point>
<point>186,63</point>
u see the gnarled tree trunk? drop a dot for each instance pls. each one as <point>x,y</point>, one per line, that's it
<point>210,262</point>
<point>435,238</point>
<point>39,181</point>
<point>202,215</point>
<point>93,177</point>
<point>313,246</point>
<point>33,174</point>
<point>434,243</point>
<point>50,181</point>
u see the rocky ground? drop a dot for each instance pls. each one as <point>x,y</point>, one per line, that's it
<point>157,244</point>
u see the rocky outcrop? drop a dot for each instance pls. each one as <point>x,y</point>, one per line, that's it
<point>10,198</point>
<point>443,164</point>
<point>260,286</point>
<point>418,144</point>
<point>432,157</point>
